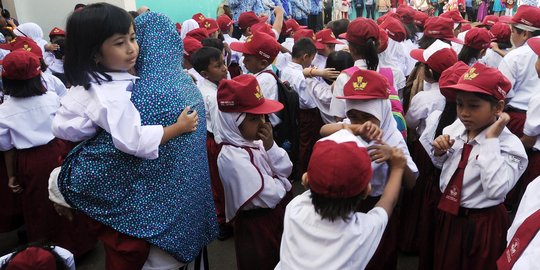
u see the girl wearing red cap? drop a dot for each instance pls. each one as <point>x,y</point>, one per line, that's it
<point>253,170</point>
<point>477,41</point>
<point>481,160</point>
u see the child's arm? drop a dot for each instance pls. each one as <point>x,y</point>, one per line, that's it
<point>13,184</point>
<point>327,73</point>
<point>278,19</point>
<point>390,196</point>
<point>440,147</point>
<point>279,160</point>
<point>368,131</point>
<point>186,122</point>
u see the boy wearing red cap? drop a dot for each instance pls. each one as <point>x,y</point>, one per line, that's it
<point>481,160</point>
<point>246,20</point>
<point>253,170</point>
<point>325,41</point>
<point>191,46</point>
<point>500,45</point>
<point>323,229</point>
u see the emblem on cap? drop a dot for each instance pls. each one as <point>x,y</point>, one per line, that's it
<point>56,30</point>
<point>471,74</point>
<point>332,35</point>
<point>27,48</point>
<point>359,84</point>
<point>207,25</point>
<point>259,94</point>
<point>201,17</point>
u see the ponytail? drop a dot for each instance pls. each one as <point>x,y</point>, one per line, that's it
<point>371,54</point>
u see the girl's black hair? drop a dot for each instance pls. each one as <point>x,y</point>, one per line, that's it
<point>334,208</point>
<point>468,53</point>
<point>448,116</point>
<point>86,30</point>
<point>7,33</point>
<point>6,14</point>
<point>411,31</point>
<point>368,51</point>
<point>60,264</point>
<point>424,42</point>
<point>24,88</point>
<point>339,60</point>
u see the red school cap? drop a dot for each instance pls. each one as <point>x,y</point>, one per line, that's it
<point>260,45</point>
<point>454,15</point>
<point>420,18</point>
<point>440,28</point>
<point>438,56</point>
<point>304,33</point>
<point>191,45</point>
<point>23,43</point>
<point>263,27</point>
<point>489,20</point>
<point>292,25</point>
<point>57,32</point>
<point>325,36</point>
<point>407,13</point>
<point>466,27</point>
<point>451,76</point>
<point>481,79</point>
<point>199,18</point>
<point>360,30</point>
<point>501,32</point>
<point>248,19</point>
<point>243,94</point>
<point>21,65</point>
<point>339,166</point>
<point>224,22</point>
<point>527,18</point>
<point>394,28</point>
<point>383,41</point>
<point>32,258</point>
<point>534,43</point>
<point>199,34</point>
<point>366,84</point>
<point>210,25</point>
<point>478,38</point>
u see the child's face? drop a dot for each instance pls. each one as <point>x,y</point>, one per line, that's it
<point>359,117</point>
<point>254,64</point>
<point>307,60</point>
<point>215,34</point>
<point>328,49</point>
<point>518,39</point>
<point>475,113</point>
<point>251,125</point>
<point>119,52</point>
<point>216,71</point>
<point>537,66</point>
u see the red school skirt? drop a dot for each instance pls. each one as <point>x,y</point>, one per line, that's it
<point>212,150</point>
<point>472,240</point>
<point>428,216</point>
<point>33,167</point>
<point>11,216</point>
<point>309,126</point>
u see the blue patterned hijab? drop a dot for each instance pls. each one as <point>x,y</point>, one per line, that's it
<point>166,201</point>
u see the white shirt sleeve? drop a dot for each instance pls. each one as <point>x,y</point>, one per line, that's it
<point>507,68</point>
<point>417,112</point>
<point>269,88</point>
<point>337,106</point>
<point>5,139</point>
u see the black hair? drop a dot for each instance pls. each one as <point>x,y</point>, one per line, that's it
<point>334,208</point>
<point>368,51</point>
<point>504,45</point>
<point>303,46</point>
<point>61,42</point>
<point>24,88</point>
<point>133,14</point>
<point>411,31</point>
<point>60,264</point>
<point>339,60</point>
<point>87,30</point>
<point>468,53</point>
<point>448,116</point>
<point>339,27</point>
<point>429,73</point>
<point>202,58</point>
<point>424,42</point>
<point>214,43</point>
<point>6,14</point>
<point>7,33</point>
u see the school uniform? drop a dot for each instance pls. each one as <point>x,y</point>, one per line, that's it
<point>269,89</point>
<point>422,105</point>
<point>310,242</point>
<point>107,106</point>
<point>196,75</point>
<point>25,124</point>
<point>321,94</point>
<point>235,57</point>
<point>532,128</point>
<point>53,84</point>
<point>473,238</point>
<point>319,61</point>
<point>408,45</point>
<point>491,59</point>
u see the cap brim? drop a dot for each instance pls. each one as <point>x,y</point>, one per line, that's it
<point>450,90</point>
<point>456,40</point>
<point>343,36</point>
<point>418,55</point>
<point>269,106</point>
<point>358,97</point>
<point>240,47</point>
<point>534,43</point>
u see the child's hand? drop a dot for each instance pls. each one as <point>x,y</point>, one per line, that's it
<point>328,73</point>
<point>380,153</point>
<point>63,211</point>
<point>187,122</point>
<point>265,134</point>
<point>51,47</point>
<point>14,185</point>
<point>368,131</point>
<point>397,158</point>
<point>279,11</point>
<point>442,144</point>
<point>496,128</point>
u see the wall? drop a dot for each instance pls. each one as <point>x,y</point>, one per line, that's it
<point>181,10</point>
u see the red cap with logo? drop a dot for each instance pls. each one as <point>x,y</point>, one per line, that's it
<point>407,13</point>
<point>383,40</point>
<point>21,65</point>
<point>57,32</point>
<point>360,30</point>
<point>248,19</point>
<point>32,258</point>
<point>441,28</point>
<point>191,45</point>
<point>420,18</point>
<point>339,166</point>
<point>199,18</point>
<point>224,22</point>
<point>466,27</point>
<point>451,76</point>
<point>243,94</point>
<point>325,36</point>
<point>527,18</point>
<point>438,56</point>
<point>534,43</point>
<point>260,45</point>
<point>454,15</point>
<point>366,84</point>
<point>304,33</point>
<point>395,29</point>
<point>199,34</point>
<point>23,43</point>
<point>387,15</point>
<point>478,38</point>
<point>489,20</point>
<point>263,28</point>
<point>210,25</point>
<point>482,79</point>
<point>501,32</point>
<point>291,25</point>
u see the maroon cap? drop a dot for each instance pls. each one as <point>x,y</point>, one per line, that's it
<point>178,27</point>
<point>438,56</point>
<point>35,258</point>
<point>388,14</point>
<point>527,16</point>
<point>199,34</point>
<point>407,13</point>
<point>263,28</point>
<point>451,76</point>
<point>21,65</point>
<point>243,94</point>
<point>501,32</point>
<point>325,36</point>
<point>248,19</point>
<point>260,45</point>
<point>395,29</point>
<point>420,18</point>
<point>478,38</point>
<point>199,18</point>
<point>23,43</point>
<point>454,15</point>
<point>441,28</point>
<point>383,41</point>
<point>57,32</point>
<point>466,27</point>
<point>489,20</point>
<point>534,43</point>
<point>505,19</point>
<point>210,25</point>
<point>291,25</point>
<point>360,30</point>
<point>191,45</point>
<point>482,79</point>
<point>339,166</point>
<point>366,84</point>
<point>304,33</point>
<point>224,22</point>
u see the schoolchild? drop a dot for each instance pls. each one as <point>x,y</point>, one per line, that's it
<point>477,41</point>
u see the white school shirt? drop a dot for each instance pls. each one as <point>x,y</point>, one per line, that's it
<point>319,61</point>
<point>242,179</point>
<point>321,94</point>
<point>456,46</point>
<point>235,56</point>
<point>423,104</point>
<point>269,88</point>
<point>491,59</point>
<point>294,75</point>
<point>529,204</point>
<point>209,93</point>
<point>309,242</point>
<point>283,58</point>
<point>107,106</point>
<point>53,84</point>
<point>493,168</point>
<point>408,45</point>
<point>194,73</point>
<point>337,106</point>
<point>532,122</point>
<point>344,45</point>
<point>428,136</point>
<point>56,66</point>
<point>288,43</point>
<point>26,122</point>
<point>519,67</point>
<point>65,255</point>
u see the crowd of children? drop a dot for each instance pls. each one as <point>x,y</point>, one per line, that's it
<point>156,139</point>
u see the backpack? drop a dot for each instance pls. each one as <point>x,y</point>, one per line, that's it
<point>286,134</point>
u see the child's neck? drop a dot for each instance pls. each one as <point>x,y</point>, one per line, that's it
<point>298,61</point>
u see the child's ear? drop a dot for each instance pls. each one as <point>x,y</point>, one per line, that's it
<point>204,74</point>
<point>305,180</point>
<point>265,63</point>
<point>499,108</point>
